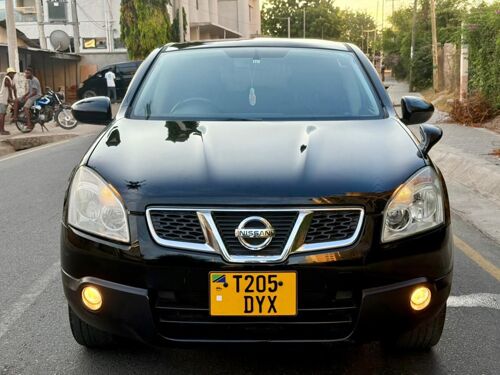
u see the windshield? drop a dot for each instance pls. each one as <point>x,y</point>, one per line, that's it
<point>256,83</point>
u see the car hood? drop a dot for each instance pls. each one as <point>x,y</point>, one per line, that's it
<point>255,163</point>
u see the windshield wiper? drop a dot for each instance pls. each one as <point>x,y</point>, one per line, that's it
<point>241,119</point>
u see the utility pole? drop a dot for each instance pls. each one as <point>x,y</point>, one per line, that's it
<point>181,23</point>
<point>382,38</point>
<point>412,48</point>
<point>435,64</point>
<point>288,24</point>
<point>177,9</point>
<point>464,68</point>
<point>11,35</point>
<point>106,25</point>
<point>40,22</point>
<point>375,37</point>
<point>304,23</point>
<point>76,27</point>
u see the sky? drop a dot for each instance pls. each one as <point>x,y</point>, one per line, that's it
<point>370,6</point>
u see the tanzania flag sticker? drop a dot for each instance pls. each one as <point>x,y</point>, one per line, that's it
<point>218,278</point>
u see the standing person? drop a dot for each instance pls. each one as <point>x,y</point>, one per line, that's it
<point>33,93</point>
<point>8,95</point>
<point>110,82</point>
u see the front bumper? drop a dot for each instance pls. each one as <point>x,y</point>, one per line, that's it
<point>155,294</point>
<point>133,312</point>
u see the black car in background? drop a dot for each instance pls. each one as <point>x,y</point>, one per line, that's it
<point>258,190</point>
<point>95,85</point>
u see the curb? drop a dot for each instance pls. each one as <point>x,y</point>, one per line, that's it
<point>473,172</point>
<point>473,187</point>
<point>11,145</point>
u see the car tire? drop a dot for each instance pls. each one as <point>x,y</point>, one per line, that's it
<point>87,335</point>
<point>89,94</point>
<point>421,338</point>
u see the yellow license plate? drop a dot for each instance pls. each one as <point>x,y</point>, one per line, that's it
<point>253,293</point>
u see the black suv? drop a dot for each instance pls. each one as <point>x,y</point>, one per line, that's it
<point>96,84</point>
<point>257,191</point>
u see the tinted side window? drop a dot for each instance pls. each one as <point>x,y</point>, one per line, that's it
<point>127,69</point>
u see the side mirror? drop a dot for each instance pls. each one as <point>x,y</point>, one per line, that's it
<point>416,110</point>
<point>95,110</point>
<point>430,135</point>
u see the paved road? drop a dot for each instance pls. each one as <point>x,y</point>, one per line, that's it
<point>35,337</point>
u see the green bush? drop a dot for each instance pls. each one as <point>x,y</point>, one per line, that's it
<point>482,33</point>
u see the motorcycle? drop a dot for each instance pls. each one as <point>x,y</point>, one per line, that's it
<point>45,109</point>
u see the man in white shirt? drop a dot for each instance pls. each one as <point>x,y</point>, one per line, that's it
<point>8,94</point>
<point>110,83</point>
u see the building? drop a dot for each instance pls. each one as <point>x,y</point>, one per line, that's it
<point>221,19</point>
<point>99,23</point>
<point>54,69</point>
<point>98,20</point>
<point>99,29</point>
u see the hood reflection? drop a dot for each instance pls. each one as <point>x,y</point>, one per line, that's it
<point>179,131</point>
<point>135,185</point>
<point>114,138</point>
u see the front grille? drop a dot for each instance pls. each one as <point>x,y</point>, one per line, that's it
<point>324,228</point>
<point>319,318</point>
<point>327,226</point>
<point>228,221</point>
<point>181,226</point>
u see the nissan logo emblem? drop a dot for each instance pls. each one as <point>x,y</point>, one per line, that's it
<point>255,233</point>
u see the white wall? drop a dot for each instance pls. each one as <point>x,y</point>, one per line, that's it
<point>232,14</point>
<point>93,17</point>
<point>254,27</point>
<point>228,11</point>
<point>200,13</point>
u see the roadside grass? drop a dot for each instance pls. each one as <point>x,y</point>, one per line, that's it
<point>441,100</point>
<point>474,113</point>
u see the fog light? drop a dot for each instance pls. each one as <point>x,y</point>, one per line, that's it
<point>91,298</point>
<point>420,298</point>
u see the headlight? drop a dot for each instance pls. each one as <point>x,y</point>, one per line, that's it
<point>96,207</point>
<point>417,205</point>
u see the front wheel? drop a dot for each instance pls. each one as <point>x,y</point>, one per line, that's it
<point>87,335</point>
<point>89,94</point>
<point>23,127</point>
<point>65,119</point>
<point>422,337</point>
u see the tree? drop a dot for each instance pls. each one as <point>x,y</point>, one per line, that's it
<point>397,41</point>
<point>145,25</point>
<point>322,18</point>
<point>354,26</point>
<point>482,33</point>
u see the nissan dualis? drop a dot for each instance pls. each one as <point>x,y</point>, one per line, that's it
<point>257,190</point>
